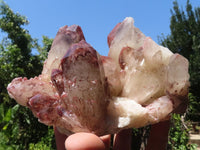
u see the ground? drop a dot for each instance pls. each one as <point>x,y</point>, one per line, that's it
<point>195,138</point>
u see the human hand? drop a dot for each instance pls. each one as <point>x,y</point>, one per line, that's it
<point>122,141</point>
<point>89,141</point>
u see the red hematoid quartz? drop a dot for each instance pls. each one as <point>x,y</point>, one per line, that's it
<point>137,84</point>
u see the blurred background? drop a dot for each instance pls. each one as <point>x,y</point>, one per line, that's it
<point>27,29</point>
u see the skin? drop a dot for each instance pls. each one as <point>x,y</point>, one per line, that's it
<point>158,139</point>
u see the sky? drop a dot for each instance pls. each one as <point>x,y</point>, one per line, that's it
<point>96,17</point>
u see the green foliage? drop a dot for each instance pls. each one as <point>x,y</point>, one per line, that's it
<point>185,39</point>
<point>193,109</point>
<point>19,128</point>
<point>140,137</point>
<point>45,143</point>
<point>12,23</point>
<point>46,47</point>
<point>39,146</point>
<point>179,135</point>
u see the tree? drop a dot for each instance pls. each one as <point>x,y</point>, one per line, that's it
<point>185,39</point>
<point>19,129</point>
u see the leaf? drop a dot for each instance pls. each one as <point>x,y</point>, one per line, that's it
<point>14,110</point>
<point>6,126</point>
<point>28,120</point>
<point>7,117</point>
<point>1,112</point>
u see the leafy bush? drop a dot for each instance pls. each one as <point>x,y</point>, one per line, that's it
<point>19,128</point>
<point>179,135</point>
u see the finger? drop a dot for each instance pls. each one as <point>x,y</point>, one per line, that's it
<point>106,140</point>
<point>122,140</point>
<point>158,137</point>
<point>60,139</point>
<point>84,141</point>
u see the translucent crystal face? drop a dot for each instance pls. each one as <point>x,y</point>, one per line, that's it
<point>137,84</point>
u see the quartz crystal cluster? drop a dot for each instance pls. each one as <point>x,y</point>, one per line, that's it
<point>138,83</point>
